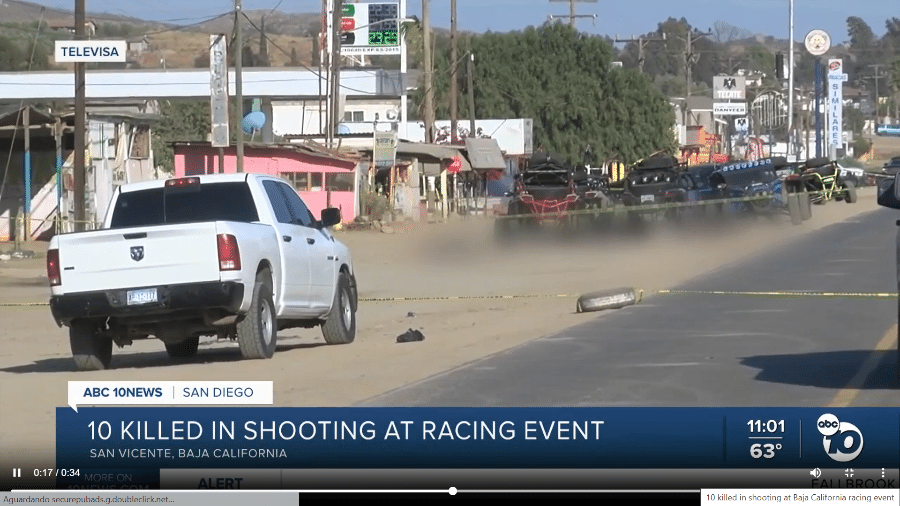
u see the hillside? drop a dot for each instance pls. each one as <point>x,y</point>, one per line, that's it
<point>16,11</point>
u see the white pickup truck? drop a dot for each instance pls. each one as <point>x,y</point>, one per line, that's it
<point>237,256</point>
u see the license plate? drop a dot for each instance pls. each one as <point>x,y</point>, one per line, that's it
<point>136,297</point>
<point>646,198</point>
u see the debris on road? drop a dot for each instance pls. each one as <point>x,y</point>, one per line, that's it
<point>410,336</point>
<point>606,299</point>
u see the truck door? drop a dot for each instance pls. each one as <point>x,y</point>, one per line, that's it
<point>294,251</point>
<point>320,248</point>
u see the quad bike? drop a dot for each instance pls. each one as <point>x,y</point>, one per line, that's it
<point>823,181</point>
<point>551,193</point>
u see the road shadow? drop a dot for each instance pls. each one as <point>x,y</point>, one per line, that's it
<point>830,370</point>
<point>143,360</point>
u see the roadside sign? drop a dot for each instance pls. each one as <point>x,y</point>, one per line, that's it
<point>817,42</point>
<point>741,124</point>
<point>729,87</point>
<point>730,109</point>
<point>384,153</point>
<point>84,51</point>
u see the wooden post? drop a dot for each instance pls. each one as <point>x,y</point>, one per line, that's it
<point>57,135</point>
<point>27,204</point>
<point>444,211</point>
<point>221,161</point>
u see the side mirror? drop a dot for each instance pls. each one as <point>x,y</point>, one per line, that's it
<point>330,216</point>
<point>889,192</point>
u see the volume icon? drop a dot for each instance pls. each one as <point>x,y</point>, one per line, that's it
<point>816,472</point>
<point>17,472</point>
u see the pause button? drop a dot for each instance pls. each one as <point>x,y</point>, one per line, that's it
<point>17,472</point>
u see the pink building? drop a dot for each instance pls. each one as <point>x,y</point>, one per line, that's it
<point>322,179</point>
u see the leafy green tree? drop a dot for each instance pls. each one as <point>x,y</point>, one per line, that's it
<point>565,82</point>
<point>182,121</point>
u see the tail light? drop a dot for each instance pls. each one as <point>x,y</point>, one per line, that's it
<point>229,255</point>
<point>53,273</point>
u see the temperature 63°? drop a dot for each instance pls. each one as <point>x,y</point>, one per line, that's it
<point>764,450</point>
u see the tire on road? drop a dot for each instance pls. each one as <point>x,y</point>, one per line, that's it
<point>849,192</point>
<point>340,326</point>
<point>257,333</point>
<point>90,351</point>
<point>805,205</point>
<point>184,349</point>
<point>793,204</point>
<point>606,299</point>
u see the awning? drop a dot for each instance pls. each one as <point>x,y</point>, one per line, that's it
<point>428,154</point>
<point>485,154</point>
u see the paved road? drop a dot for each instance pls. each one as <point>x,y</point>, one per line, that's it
<point>715,350</point>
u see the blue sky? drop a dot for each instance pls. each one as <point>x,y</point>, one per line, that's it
<point>622,17</point>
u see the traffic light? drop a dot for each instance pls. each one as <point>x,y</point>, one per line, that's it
<point>779,65</point>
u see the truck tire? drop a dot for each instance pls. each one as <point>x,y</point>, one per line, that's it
<point>257,333</point>
<point>606,299</point>
<point>90,351</point>
<point>793,202</point>
<point>849,192</point>
<point>340,326</point>
<point>184,349</point>
<point>805,205</point>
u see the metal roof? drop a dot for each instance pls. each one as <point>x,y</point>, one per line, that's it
<point>485,154</point>
<point>9,116</point>
<point>308,148</point>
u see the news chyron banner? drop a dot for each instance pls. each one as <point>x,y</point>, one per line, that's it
<point>191,447</point>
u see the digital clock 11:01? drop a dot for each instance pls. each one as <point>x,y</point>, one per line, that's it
<point>766,426</point>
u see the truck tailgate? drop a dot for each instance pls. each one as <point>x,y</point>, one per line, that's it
<point>137,257</point>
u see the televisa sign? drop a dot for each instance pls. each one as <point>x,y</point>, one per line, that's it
<point>78,51</point>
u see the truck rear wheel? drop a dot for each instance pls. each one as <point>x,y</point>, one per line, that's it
<point>184,349</point>
<point>257,333</point>
<point>340,326</point>
<point>91,351</point>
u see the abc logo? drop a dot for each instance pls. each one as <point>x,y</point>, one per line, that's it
<point>843,442</point>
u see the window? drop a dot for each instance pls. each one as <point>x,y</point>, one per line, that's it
<point>339,181</point>
<point>354,116</point>
<point>298,208</point>
<point>213,202</point>
<point>300,180</point>
<point>140,142</point>
<point>279,205</point>
<point>315,181</point>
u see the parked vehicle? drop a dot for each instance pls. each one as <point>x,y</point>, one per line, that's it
<point>888,130</point>
<point>889,196</point>
<point>823,181</point>
<point>550,192</point>
<point>892,166</point>
<point>765,192</point>
<point>653,180</point>
<point>236,256</point>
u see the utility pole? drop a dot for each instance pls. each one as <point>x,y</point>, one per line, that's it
<point>454,86</point>
<point>877,77</point>
<point>641,42</point>
<point>79,170</point>
<point>335,35</point>
<point>791,43</point>
<point>572,16</point>
<point>429,91</point>
<point>238,85</point>
<point>470,77</point>
<point>688,62</point>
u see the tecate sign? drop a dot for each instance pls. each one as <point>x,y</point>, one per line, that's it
<point>730,109</point>
<point>69,51</point>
